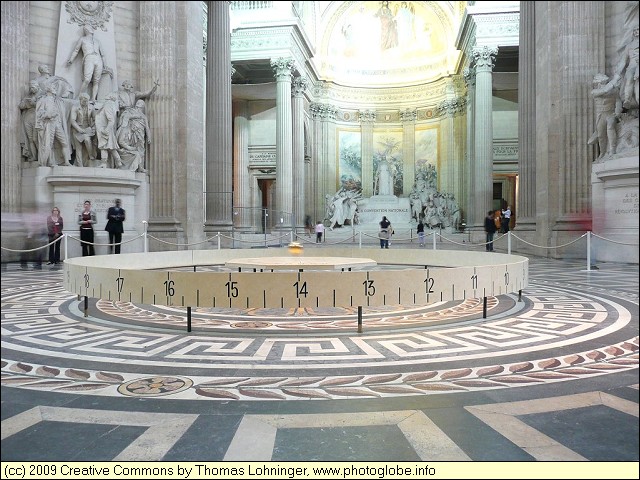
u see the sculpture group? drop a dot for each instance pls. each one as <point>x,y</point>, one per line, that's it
<point>616,98</point>
<point>63,127</point>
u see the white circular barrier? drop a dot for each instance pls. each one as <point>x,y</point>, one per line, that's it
<point>402,276</point>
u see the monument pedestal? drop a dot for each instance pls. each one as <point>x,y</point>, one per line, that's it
<point>372,209</point>
<point>615,202</point>
<point>68,187</point>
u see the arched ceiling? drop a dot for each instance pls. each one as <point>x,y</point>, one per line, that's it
<point>380,44</point>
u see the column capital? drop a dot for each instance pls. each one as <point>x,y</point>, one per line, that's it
<point>484,56</point>
<point>451,107</point>
<point>323,111</point>
<point>283,67</point>
<point>367,116</point>
<point>469,74</point>
<point>408,115</point>
<point>298,86</point>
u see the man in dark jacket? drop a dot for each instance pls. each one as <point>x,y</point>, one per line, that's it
<point>490,228</point>
<point>115,217</point>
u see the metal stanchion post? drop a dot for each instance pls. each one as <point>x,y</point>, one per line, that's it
<point>359,319</point>
<point>146,238</point>
<point>589,250</point>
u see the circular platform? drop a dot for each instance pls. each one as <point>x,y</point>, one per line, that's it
<point>304,263</point>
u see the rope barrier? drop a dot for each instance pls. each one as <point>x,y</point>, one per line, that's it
<point>556,246</point>
<point>181,244</point>
<point>311,240</point>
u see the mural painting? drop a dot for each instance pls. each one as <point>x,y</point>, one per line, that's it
<point>350,160</point>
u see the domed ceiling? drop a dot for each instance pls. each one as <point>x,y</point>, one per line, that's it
<point>378,44</point>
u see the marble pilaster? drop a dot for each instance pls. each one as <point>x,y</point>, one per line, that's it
<point>219,173</point>
<point>483,172</point>
<point>241,191</point>
<point>324,116</point>
<point>408,119</point>
<point>15,83</point>
<point>367,121</point>
<point>299,194</point>
<point>467,201</point>
<point>283,68</point>
<point>158,57</point>
<point>526,202</point>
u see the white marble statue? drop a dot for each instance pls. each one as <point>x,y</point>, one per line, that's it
<point>342,206</point>
<point>127,96</point>
<point>384,178</point>
<point>608,107</point>
<point>133,136</point>
<point>83,131</point>
<point>50,128</point>
<point>106,119</point>
<point>29,134</point>
<point>93,65</point>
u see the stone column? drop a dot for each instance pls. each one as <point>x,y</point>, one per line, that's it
<point>367,120</point>
<point>219,168</point>
<point>15,84</point>
<point>581,47</point>
<point>324,116</point>
<point>299,193</point>
<point>569,48</point>
<point>450,160</point>
<point>483,171</point>
<point>171,32</point>
<point>242,215</point>
<point>526,201</point>
<point>467,201</point>
<point>158,54</point>
<point>408,119</point>
<point>283,68</point>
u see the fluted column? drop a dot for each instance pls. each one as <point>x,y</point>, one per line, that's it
<point>581,26</point>
<point>158,56</point>
<point>15,84</point>
<point>483,173</point>
<point>408,119</point>
<point>241,192</point>
<point>219,168</point>
<point>467,201</point>
<point>283,68</point>
<point>526,202</point>
<point>367,121</point>
<point>324,116</point>
<point>299,193</point>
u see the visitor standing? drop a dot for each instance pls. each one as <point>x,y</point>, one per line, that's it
<point>115,218</point>
<point>506,219</point>
<point>55,225</point>
<point>490,228</point>
<point>420,231</point>
<point>385,232</point>
<point>319,231</point>
<point>86,219</point>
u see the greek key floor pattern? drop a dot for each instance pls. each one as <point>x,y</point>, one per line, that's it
<point>413,375</point>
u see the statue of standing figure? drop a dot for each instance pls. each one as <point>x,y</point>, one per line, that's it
<point>30,135</point>
<point>106,119</point>
<point>84,130</point>
<point>93,64</point>
<point>384,178</point>
<point>49,124</point>
<point>133,136</point>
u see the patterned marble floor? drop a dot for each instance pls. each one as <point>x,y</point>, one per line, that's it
<point>552,375</point>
